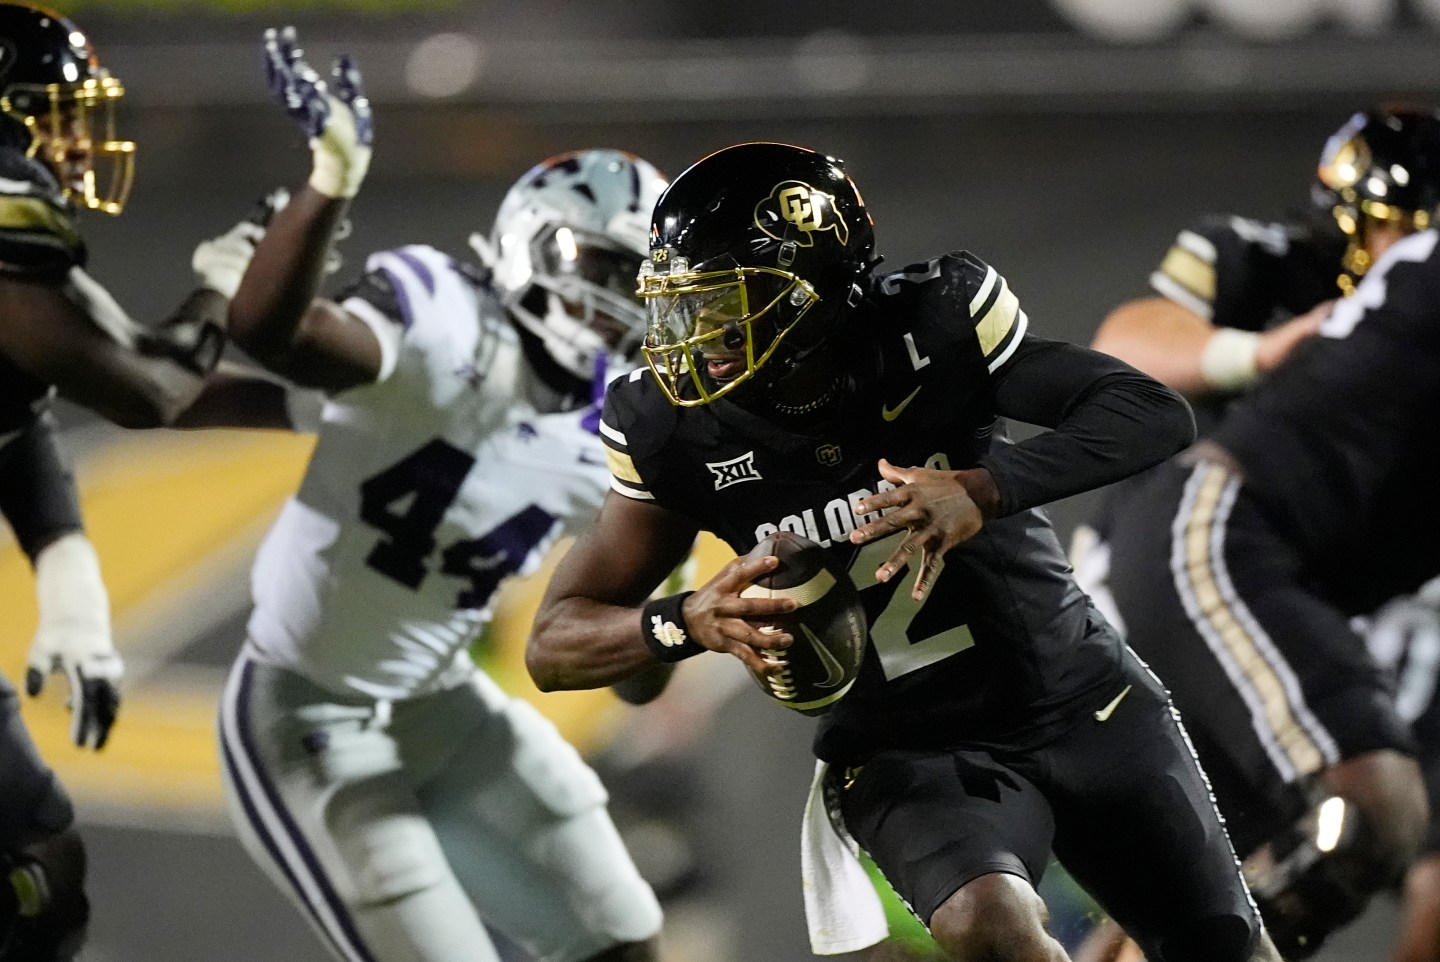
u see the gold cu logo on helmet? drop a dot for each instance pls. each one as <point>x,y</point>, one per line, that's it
<point>795,202</point>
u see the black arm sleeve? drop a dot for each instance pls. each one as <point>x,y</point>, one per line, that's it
<point>37,490</point>
<point>1109,421</point>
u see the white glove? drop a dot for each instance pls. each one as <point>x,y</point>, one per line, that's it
<point>220,262</point>
<point>74,637</point>
<point>339,123</point>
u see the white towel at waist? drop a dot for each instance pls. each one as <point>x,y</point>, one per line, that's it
<point>842,909</point>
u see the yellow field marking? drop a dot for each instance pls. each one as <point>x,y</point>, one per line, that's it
<point>162,508</point>
<point>156,505</point>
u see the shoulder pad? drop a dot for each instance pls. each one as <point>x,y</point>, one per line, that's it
<point>38,234</point>
<point>957,298</point>
<point>636,422</point>
<point>994,309</point>
<point>402,281</point>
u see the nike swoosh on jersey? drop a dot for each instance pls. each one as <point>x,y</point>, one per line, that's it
<point>890,414</point>
<point>1105,713</point>
<point>834,671</point>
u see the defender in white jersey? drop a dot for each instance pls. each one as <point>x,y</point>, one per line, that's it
<point>383,781</point>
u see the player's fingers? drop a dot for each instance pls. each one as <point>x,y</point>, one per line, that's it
<point>898,519</point>
<point>105,701</point>
<point>78,706</point>
<point>734,632</point>
<point>925,575</point>
<point>350,88</point>
<point>290,52</point>
<point>738,574</point>
<point>755,607</point>
<point>896,475</point>
<point>762,636</point>
<point>875,503</point>
<point>898,559</point>
<point>749,655</point>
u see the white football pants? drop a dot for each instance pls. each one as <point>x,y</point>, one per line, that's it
<point>396,828</point>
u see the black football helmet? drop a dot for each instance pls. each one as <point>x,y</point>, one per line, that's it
<point>51,82</point>
<point>1382,166</point>
<point>754,251</point>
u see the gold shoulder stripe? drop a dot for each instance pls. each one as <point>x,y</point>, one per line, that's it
<point>34,214</point>
<point>997,322</point>
<point>1190,270</point>
<point>622,466</point>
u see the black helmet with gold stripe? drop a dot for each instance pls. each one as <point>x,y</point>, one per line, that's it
<point>52,83</point>
<point>753,252</point>
<point>1382,166</point>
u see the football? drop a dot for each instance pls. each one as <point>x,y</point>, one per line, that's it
<point>829,625</point>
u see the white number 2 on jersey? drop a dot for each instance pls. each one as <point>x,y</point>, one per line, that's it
<point>890,630</point>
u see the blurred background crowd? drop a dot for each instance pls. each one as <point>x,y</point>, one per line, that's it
<point>1062,140</point>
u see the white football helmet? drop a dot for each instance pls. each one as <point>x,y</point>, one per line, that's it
<point>565,251</point>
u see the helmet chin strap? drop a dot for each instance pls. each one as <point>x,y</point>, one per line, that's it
<point>804,383</point>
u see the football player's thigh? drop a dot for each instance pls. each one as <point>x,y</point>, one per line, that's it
<point>1136,826</point>
<point>935,820</point>
<point>33,803</point>
<point>324,805</point>
<point>1272,682</point>
<point>523,822</point>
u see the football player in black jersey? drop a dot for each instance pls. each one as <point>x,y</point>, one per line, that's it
<point>63,332</point>
<point>996,715</point>
<point>1236,570</point>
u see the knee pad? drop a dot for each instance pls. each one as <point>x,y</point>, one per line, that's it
<point>394,864</point>
<point>1316,876</point>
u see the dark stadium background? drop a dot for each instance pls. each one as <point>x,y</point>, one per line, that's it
<point>1063,140</point>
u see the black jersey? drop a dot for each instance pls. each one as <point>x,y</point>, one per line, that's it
<point>1340,441</point>
<point>37,223</point>
<point>1250,275</point>
<point>1004,645</point>
<point>38,238</point>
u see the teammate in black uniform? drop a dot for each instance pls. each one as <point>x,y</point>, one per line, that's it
<point>1236,295</point>
<point>1266,696</point>
<point>62,331</point>
<point>997,714</point>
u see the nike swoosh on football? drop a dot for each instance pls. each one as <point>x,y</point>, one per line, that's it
<point>1105,713</point>
<point>890,414</point>
<point>834,671</point>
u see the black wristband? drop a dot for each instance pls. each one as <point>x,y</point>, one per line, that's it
<point>663,625</point>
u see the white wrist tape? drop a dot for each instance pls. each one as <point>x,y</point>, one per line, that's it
<point>1228,360</point>
<point>68,586</point>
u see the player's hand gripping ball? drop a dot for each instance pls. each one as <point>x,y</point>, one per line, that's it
<point>828,625</point>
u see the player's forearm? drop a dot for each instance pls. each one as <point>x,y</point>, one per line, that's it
<point>37,491</point>
<point>1160,338</point>
<point>582,643</point>
<point>1121,431</point>
<point>236,398</point>
<point>284,276</point>
<point>194,336</point>
<point>1108,420</point>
